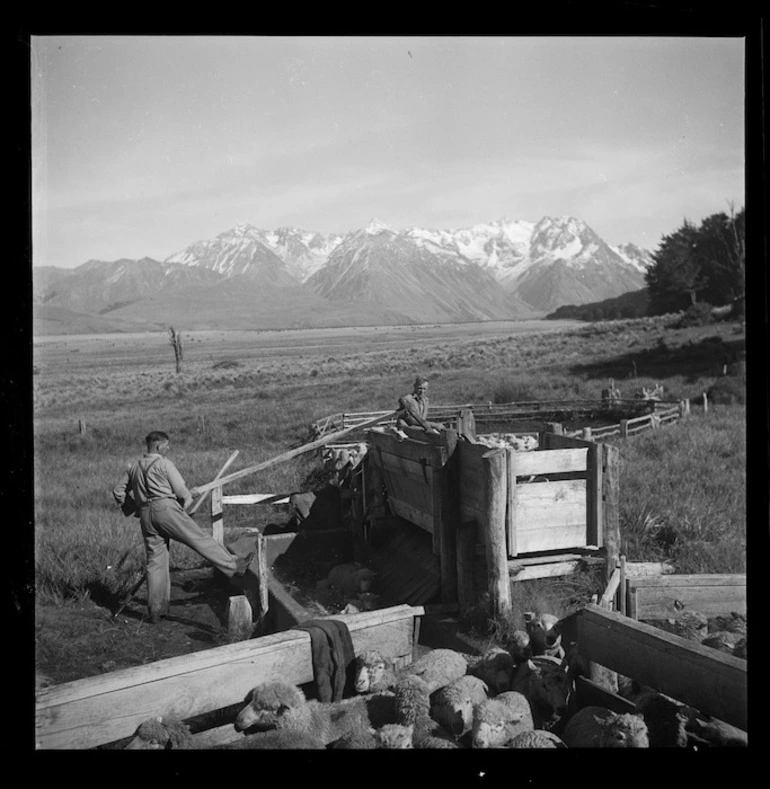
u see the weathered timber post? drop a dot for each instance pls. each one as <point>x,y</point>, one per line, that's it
<point>176,343</point>
<point>554,427</point>
<point>705,403</point>
<point>622,586</point>
<point>499,583</point>
<point>610,503</point>
<point>446,510</point>
<point>82,426</point>
<point>587,434</point>
<point>594,518</point>
<point>239,624</point>
<point>510,500</point>
<point>466,556</point>
<point>687,406</point>
<point>217,516</point>
<point>262,578</point>
<point>624,428</point>
<point>605,398</point>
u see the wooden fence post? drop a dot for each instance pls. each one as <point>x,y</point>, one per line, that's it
<point>705,403</point>
<point>217,516</point>
<point>262,577</point>
<point>622,592</point>
<point>610,501</point>
<point>495,479</point>
<point>687,406</point>
<point>587,434</point>
<point>554,427</point>
<point>624,428</point>
<point>466,556</point>
<point>82,426</point>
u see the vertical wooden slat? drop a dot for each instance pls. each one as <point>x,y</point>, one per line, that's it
<point>610,514</point>
<point>510,505</point>
<point>446,512</point>
<point>494,525</point>
<point>554,427</point>
<point>624,428</point>
<point>466,556</point>
<point>217,516</point>
<point>594,525</point>
<point>622,591</point>
<point>262,573</point>
<point>587,433</point>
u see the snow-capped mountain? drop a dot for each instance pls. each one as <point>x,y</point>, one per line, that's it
<point>502,269</point>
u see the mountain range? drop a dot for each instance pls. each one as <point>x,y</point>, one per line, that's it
<point>247,277</point>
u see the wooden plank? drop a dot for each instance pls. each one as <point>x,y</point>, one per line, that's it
<point>520,572</point>
<point>608,596</point>
<point>414,470</point>
<point>406,448</point>
<point>588,693</point>
<point>97,710</point>
<point>639,420</point>
<point>659,602</point>
<point>610,506</point>
<point>551,462</point>
<point>711,681</point>
<point>256,498</point>
<point>594,525</point>
<point>292,453</point>
<point>554,441</point>
<point>511,469</point>
<point>262,571</point>
<point>551,539</point>
<point>407,511</point>
<point>217,516</point>
<point>696,580</point>
<point>499,585</point>
<point>276,545</point>
<point>644,569</point>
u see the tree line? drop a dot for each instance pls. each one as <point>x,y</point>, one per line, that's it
<point>703,263</point>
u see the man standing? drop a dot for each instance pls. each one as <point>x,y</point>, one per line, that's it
<point>162,497</point>
<point>413,408</point>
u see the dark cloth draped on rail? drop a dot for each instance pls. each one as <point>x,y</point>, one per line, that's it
<point>333,655</point>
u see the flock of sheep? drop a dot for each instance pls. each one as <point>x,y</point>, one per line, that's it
<point>515,697</point>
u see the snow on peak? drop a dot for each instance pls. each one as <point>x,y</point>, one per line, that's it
<point>375,226</point>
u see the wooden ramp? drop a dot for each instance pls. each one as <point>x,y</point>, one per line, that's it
<point>408,571</point>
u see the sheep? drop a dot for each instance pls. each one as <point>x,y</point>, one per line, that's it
<point>499,720</point>
<point>276,739</point>
<point>520,646</point>
<point>412,701</point>
<point>161,734</point>
<point>716,732</point>
<point>665,720</point>
<point>394,736</point>
<point>691,625</point>
<point>372,673</point>
<point>437,668</point>
<point>740,650</point>
<point>452,706</point>
<point>544,638</point>
<point>537,738</point>
<point>599,727</point>
<point>543,680</point>
<point>351,579</point>
<point>278,705</point>
<point>722,640</point>
<point>495,668</point>
<point>734,623</point>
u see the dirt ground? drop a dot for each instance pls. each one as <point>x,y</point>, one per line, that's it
<point>82,639</point>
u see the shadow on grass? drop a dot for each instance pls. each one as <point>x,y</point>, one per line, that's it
<point>692,359</point>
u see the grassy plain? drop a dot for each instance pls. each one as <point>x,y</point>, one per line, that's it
<point>682,488</point>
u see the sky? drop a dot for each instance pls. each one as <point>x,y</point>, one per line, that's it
<point>143,145</point>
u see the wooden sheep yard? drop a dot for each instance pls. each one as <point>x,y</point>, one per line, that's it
<point>468,518</point>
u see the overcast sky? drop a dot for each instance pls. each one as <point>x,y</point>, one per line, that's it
<point>142,145</point>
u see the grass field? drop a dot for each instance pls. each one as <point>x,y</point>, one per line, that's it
<point>682,488</point>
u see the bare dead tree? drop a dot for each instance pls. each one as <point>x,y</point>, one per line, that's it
<point>176,343</point>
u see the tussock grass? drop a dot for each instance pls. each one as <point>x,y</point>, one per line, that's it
<point>685,481</point>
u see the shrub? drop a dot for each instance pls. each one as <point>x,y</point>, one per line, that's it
<point>728,390</point>
<point>698,314</point>
<point>225,364</point>
<point>511,390</point>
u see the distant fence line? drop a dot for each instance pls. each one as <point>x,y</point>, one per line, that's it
<point>664,412</point>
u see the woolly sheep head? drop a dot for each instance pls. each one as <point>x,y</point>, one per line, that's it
<point>497,665</point>
<point>159,734</point>
<point>394,736</point>
<point>496,721</point>
<point>370,668</point>
<point>452,706</point>
<point>625,731</point>
<point>269,704</point>
<point>541,631</point>
<point>519,646</point>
